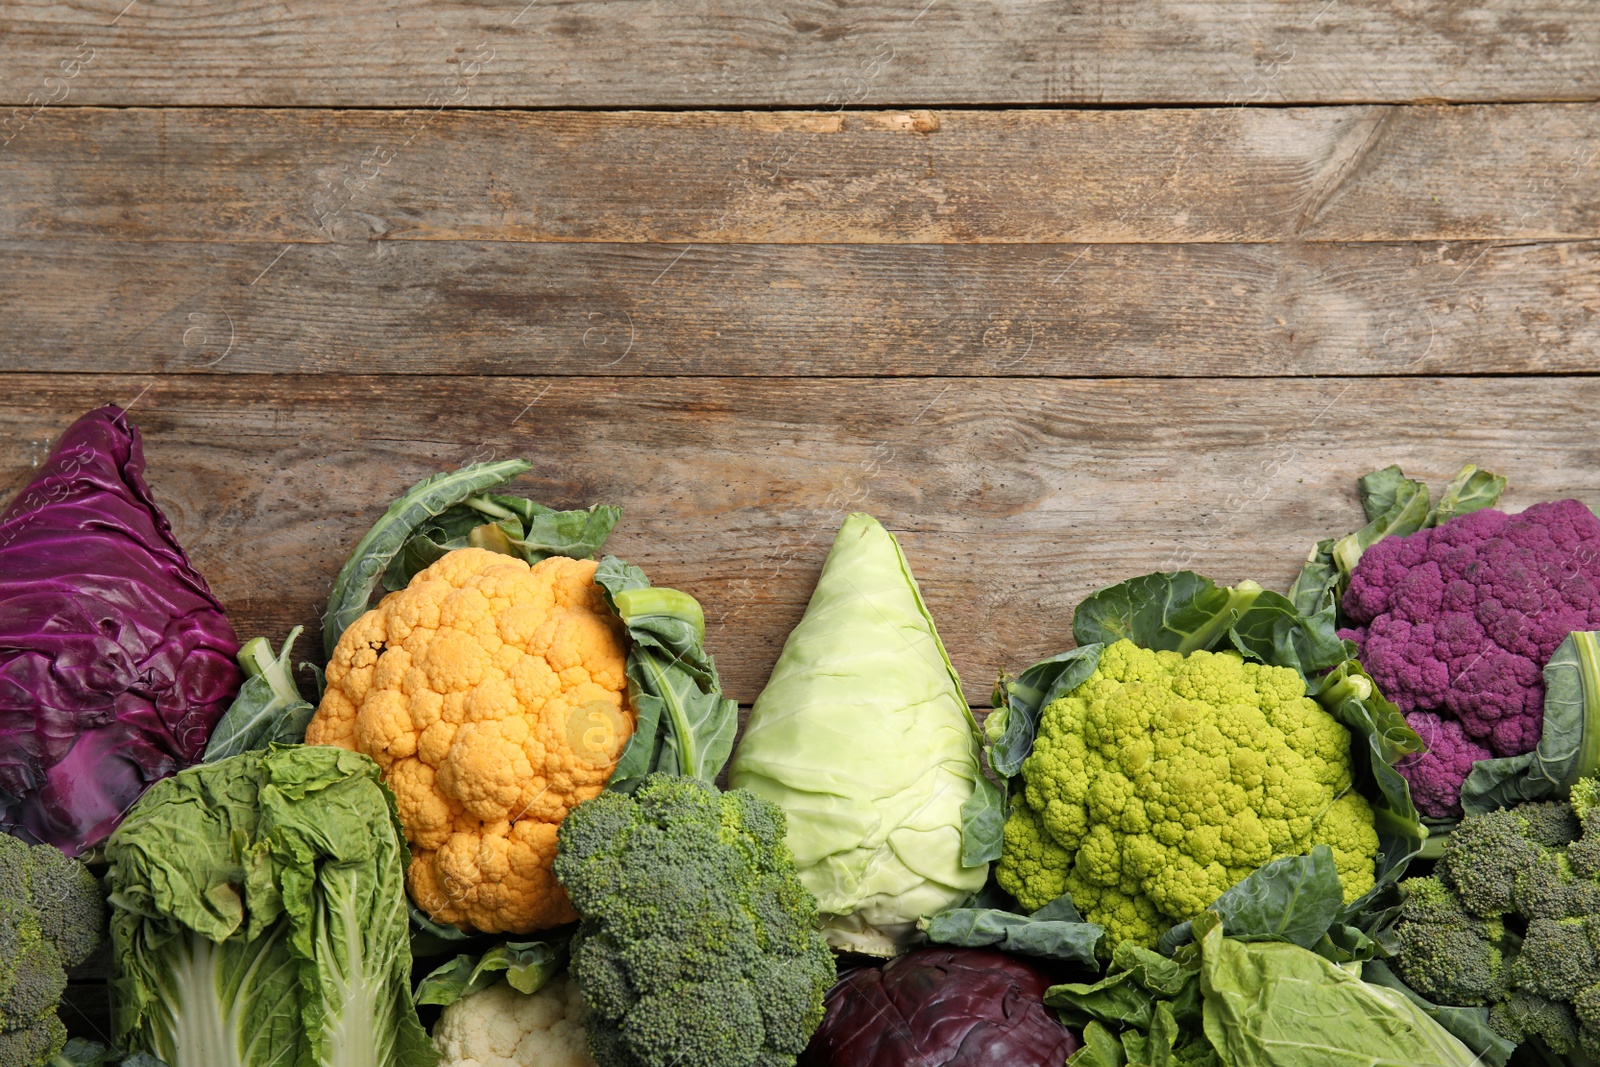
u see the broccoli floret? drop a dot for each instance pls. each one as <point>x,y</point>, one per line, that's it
<point>1550,823</point>
<point>1550,889</point>
<point>698,943</point>
<point>1511,919</point>
<point>32,1045</point>
<point>1522,1016</point>
<point>1482,859</point>
<point>1557,959</point>
<point>52,915</point>
<point>1445,954</point>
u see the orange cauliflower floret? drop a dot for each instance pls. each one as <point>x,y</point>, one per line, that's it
<point>493,695</point>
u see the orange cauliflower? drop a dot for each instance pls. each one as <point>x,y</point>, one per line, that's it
<point>493,696</point>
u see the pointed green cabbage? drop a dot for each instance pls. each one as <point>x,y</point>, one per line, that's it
<point>863,737</point>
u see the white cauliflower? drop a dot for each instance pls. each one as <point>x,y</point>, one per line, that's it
<point>499,1027</point>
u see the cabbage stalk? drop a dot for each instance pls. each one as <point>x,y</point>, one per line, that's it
<point>863,737</point>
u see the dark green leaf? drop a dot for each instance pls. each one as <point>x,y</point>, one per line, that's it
<point>81,1052</point>
<point>1070,941</point>
<point>1060,909</point>
<point>1153,972</point>
<point>1100,1049</point>
<point>361,573</point>
<point>1470,490</point>
<point>1569,747</point>
<point>1388,492</point>
<point>269,706</point>
<point>513,525</point>
<point>1316,588</point>
<point>1294,899</point>
<point>1011,727</point>
<point>1274,631</point>
<point>1344,944</point>
<point>526,965</point>
<point>685,725</point>
<point>983,822</point>
<point>1394,504</point>
<point>1379,729</point>
<point>1179,611</point>
<point>1114,1000</point>
<point>422,925</point>
<point>1469,1025</point>
<point>319,679</point>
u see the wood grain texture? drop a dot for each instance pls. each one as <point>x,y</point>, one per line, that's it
<point>506,308</point>
<point>946,176</point>
<point>1013,498</point>
<point>696,53</point>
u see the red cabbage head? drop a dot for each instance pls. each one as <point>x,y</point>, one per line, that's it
<point>115,659</point>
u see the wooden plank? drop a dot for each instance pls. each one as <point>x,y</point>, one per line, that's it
<point>948,176</point>
<point>698,53</point>
<point>506,308</point>
<point>1013,497</point>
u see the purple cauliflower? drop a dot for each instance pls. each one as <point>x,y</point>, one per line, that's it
<point>1459,619</point>
<point>1437,773</point>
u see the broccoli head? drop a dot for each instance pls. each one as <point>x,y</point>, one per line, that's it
<point>1163,779</point>
<point>1445,954</point>
<point>698,942</point>
<point>1557,959</point>
<point>1483,857</point>
<point>1523,1016</point>
<point>1460,619</point>
<point>52,915</point>
<point>1511,920</point>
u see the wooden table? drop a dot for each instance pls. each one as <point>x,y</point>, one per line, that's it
<point>1061,292</point>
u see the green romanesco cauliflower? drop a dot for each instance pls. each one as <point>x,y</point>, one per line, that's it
<point>1163,779</point>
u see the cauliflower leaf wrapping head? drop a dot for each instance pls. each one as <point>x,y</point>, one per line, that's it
<point>494,697</point>
<point>1456,622</point>
<point>1163,779</point>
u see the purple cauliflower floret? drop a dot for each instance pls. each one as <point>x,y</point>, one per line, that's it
<point>1436,774</point>
<point>1459,619</point>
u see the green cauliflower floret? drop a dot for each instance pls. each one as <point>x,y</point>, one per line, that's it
<point>1163,779</point>
<point>1445,954</point>
<point>52,915</point>
<point>698,944</point>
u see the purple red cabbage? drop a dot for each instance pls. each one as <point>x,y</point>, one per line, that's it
<point>115,658</point>
<point>1457,621</point>
<point>941,1007</point>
